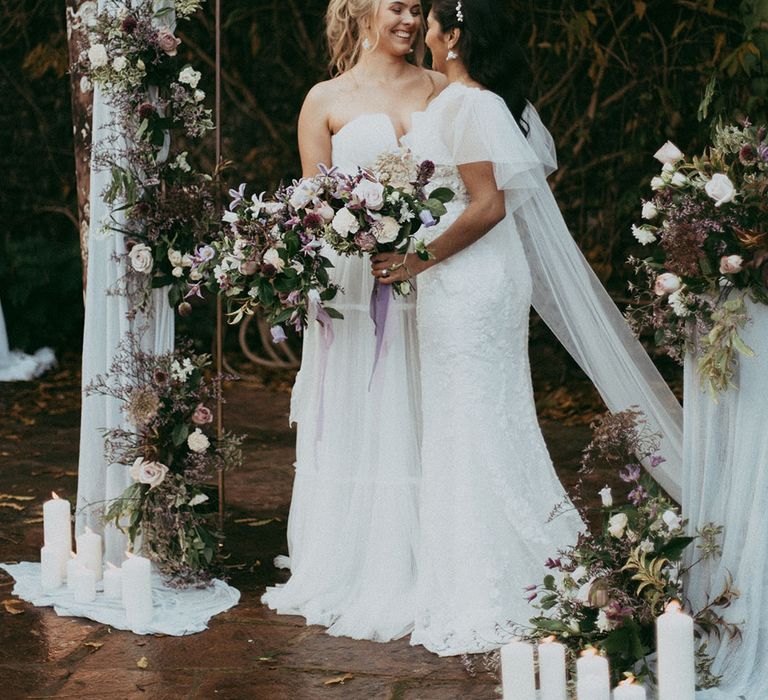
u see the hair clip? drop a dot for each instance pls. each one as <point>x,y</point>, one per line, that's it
<point>459,13</point>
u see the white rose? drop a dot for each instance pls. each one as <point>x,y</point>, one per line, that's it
<point>666,283</point>
<point>199,95</point>
<point>721,189</point>
<point>643,235</point>
<point>617,525</point>
<point>190,77</point>
<point>272,257</point>
<point>345,222</point>
<point>387,230</point>
<point>195,275</point>
<point>119,63</point>
<point>177,272</point>
<point>198,441</point>
<point>97,55</point>
<point>667,169</point>
<point>649,211</point>
<point>657,183</point>
<point>174,257</point>
<point>646,546</point>
<point>151,473</point>
<point>671,520</point>
<point>731,264</point>
<point>230,217</point>
<point>197,500</point>
<point>141,258</point>
<point>186,260</point>
<point>606,496</point>
<point>679,180</point>
<point>677,302</point>
<point>326,211</point>
<point>372,193</point>
<point>668,153</point>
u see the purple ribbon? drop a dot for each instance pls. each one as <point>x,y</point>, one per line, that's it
<point>378,309</point>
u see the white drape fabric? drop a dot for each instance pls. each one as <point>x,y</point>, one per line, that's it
<point>17,366</point>
<point>106,324</point>
<point>175,612</point>
<point>725,460</point>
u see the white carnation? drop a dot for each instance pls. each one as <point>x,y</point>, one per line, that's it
<point>345,222</point>
<point>643,235</point>
<point>198,441</point>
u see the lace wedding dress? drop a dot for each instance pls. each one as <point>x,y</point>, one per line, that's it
<point>353,521</point>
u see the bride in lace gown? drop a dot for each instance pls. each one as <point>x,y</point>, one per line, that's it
<point>353,520</point>
<point>488,484</point>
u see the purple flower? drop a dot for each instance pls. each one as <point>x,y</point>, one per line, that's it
<point>278,334</point>
<point>553,563</point>
<point>762,151</point>
<point>237,195</point>
<point>129,24</point>
<point>656,460</point>
<point>631,473</point>
<point>194,291</point>
<point>531,587</point>
<point>531,597</point>
<point>426,218</point>
<point>293,298</point>
<point>313,220</point>
<point>637,495</point>
<point>426,170</point>
<point>146,110</point>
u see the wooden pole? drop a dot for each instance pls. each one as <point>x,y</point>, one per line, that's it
<point>219,309</point>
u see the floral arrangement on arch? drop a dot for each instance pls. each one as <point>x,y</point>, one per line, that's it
<point>165,206</point>
<point>705,227</point>
<point>173,453</point>
<point>608,589</point>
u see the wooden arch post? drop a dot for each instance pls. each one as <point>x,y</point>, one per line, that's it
<point>219,306</point>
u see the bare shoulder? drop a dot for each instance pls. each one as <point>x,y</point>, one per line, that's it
<point>438,80</point>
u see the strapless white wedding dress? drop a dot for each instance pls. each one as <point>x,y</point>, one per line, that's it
<point>353,522</point>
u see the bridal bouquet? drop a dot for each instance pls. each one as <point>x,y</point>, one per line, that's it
<point>373,211</point>
<point>705,227</point>
<point>266,258</point>
<point>608,589</point>
<point>172,452</point>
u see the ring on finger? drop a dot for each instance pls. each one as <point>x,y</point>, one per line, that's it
<point>385,273</point>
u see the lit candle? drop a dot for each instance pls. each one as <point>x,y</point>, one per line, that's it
<point>552,670</point>
<point>84,585</point>
<point>57,524</point>
<point>73,564</point>
<point>113,582</point>
<point>53,562</point>
<point>137,590</point>
<point>628,690</point>
<point>89,551</point>
<point>675,654</point>
<point>592,680</point>
<point>517,673</point>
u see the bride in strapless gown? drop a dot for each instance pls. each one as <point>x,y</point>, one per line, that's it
<point>353,523</point>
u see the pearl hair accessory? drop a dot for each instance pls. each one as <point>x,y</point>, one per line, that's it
<point>459,13</point>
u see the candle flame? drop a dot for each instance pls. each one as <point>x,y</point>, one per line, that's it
<point>589,651</point>
<point>55,496</point>
<point>549,640</point>
<point>628,681</point>
<point>673,606</point>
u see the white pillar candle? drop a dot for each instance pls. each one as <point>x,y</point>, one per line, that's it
<point>552,670</point>
<point>89,551</point>
<point>53,562</point>
<point>113,582</point>
<point>57,524</point>
<point>592,678</point>
<point>517,672</point>
<point>84,585</point>
<point>675,654</point>
<point>137,591</point>
<point>73,564</point>
<point>629,690</point>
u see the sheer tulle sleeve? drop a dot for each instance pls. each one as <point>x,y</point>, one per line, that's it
<point>478,127</point>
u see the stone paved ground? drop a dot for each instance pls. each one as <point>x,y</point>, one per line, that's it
<point>249,652</point>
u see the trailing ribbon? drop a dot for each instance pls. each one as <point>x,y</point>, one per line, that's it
<point>379,306</point>
<point>326,340</point>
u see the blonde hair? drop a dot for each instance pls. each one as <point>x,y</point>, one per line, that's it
<point>345,22</point>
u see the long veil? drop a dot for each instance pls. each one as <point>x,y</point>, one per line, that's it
<point>574,304</point>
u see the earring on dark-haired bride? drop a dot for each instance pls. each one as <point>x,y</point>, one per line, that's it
<point>452,55</point>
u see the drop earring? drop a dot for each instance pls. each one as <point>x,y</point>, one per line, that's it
<point>367,44</point>
<point>452,55</point>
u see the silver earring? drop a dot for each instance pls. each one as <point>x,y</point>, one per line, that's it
<point>452,55</point>
<point>366,44</point>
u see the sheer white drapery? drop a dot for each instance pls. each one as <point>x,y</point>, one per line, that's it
<point>725,481</point>
<point>17,366</point>
<point>106,324</point>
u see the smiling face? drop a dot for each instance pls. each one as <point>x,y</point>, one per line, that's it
<point>396,26</point>
<point>438,42</point>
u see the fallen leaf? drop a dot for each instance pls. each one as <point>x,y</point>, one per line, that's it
<point>142,662</point>
<point>13,606</point>
<point>15,506</point>
<point>94,645</point>
<point>339,680</point>
<point>32,521</point>
<point>11,497</point>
